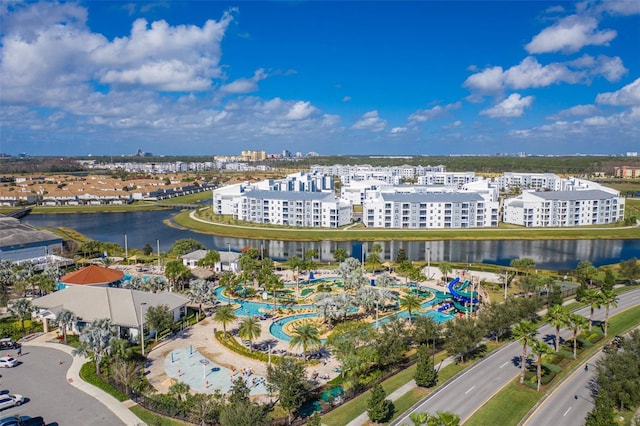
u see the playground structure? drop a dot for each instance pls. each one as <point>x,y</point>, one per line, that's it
<point>463,301</point>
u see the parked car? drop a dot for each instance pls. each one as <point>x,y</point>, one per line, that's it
<point>8,343</point>
<point>8,361</point>
<point>13,420</point>
<point>8,400</point>
<point>22,421</point>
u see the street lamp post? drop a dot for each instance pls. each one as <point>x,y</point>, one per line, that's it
<point>142,327</point>
<point>229,258</point>
<point>126,249</point>
<point>428,263</point>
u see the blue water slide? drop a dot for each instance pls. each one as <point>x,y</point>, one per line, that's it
<point>457,296</point>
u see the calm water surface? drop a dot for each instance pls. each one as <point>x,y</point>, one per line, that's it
<point>148,227</point>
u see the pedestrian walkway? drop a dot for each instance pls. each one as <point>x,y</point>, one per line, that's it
<point>120,409</point>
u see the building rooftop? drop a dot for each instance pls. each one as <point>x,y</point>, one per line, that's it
<point>92,275</point>
<point>432,197</point>
<point>15,234</point>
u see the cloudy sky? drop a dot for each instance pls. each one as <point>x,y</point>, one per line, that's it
<point>358,77</point>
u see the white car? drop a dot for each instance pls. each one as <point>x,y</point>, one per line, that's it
<point>7,361</point>
<point>7,400</point>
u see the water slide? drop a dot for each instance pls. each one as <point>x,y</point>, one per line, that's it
<point>462,297</point>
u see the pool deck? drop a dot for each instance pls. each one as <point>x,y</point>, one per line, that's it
<point>200,338</point>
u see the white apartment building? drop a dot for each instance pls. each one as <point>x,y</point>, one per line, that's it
<point>535,181</point>
<point>356,191</point>
<point>309,209</point>
<point>564,208</point>
<point>453,179</point>
<point>429,210</point>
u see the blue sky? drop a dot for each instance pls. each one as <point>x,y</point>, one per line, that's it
<point>402,78</point>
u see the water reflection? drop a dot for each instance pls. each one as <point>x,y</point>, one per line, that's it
<point>148,228</point>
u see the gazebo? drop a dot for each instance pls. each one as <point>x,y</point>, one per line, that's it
<point>92,275</point>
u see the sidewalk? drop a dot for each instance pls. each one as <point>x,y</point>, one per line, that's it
<point>73,377</point>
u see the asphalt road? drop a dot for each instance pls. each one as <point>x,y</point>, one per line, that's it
<point>42,381</point>
<point>468,392</point>
<point>570,402</point>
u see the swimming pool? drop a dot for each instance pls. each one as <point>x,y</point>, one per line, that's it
<point>249,309</point>
<point>277,327</point>
<point>438,317</point>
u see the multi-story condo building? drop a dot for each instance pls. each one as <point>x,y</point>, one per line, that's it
<point>309,209</point>
<point>429,210</point>
<point>452,179</point>
<point>536,181</point>
<point>564,208</point>
<point>627,172</point>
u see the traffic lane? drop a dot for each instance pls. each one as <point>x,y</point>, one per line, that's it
<point>571,401</point>
<point>41,379</point>
<point>474,387</point>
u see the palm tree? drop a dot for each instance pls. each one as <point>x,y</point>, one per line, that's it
<point>63,319</point>
<point>592,298</point>
<point>95,340</point>
<point>201,292</point>
<point>525,332</point>
<point>446,418</point>
<point>21,308</point>
<point>227,281</point>
<point>324,303</point>
<point>224,315</point>
<point>576,323</point>
<point>557,317</point>
<point>250,328</point>
<point>340,255</point>
<point>539,349</point>
<point>210,259</point>
<point>445,268</point>
<point>411,303</point>
<point>306,335</point>
<point>609,298</point>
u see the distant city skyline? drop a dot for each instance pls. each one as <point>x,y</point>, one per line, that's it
<point>367,78</point>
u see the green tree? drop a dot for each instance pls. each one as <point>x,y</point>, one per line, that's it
<point>558,316</point>
<point>586,272</point>
<point>401,256</point>
<point>21,308</point>
<point>288,379</point>
<point>205,409</point>
<point>405,269</point>
<point>314,420</point>
<point>539,349</point>
<point>373,257</point>
<point>147,249</point>
<point>124,371</point>
<point>410,303</point>
<point>379,408</point>
<point>555,296</point>
<point>250,329</point>
<point>609,280</point>
<point>177,273</point>
<point>608,299</point>
<point>602,413</point>
<point>525,332</point>
<point>224,315</point>
<point>180,391</point>
<point>391,344</point>
<point>306,335</point>
<point>497,318</point>
<point>159,318</point>
<point>186,245</point>
<point>576,323</point>
<point>95,341</point>
<point>629,269</point>
<point>210,259</point>
<point>227,281</point>
<point>340,254</point>
<point>426,375</point>
<point>201,292</point>
<point>462,336</point>
<point>241,411</point>
<point>593,299</point>
<point>445,268</point>
<point>350,342</point>
<point>64,318</point>
<point>525,264</point>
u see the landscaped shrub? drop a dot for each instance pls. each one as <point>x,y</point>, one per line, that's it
<point>88,374</point>
<point>231,343</point>
<point>595,337</point>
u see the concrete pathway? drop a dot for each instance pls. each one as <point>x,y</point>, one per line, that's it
<point>120,409</point>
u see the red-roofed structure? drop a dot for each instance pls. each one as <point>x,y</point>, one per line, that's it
<point>92,275</point>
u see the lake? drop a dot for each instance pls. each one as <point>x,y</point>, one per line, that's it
<point>147,227</point>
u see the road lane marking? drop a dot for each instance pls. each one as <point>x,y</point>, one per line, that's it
<point>505,364</point>
<point>566,412</point>
<point>470,389</point>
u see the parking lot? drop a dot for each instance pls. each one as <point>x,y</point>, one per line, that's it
<point>41,379</point>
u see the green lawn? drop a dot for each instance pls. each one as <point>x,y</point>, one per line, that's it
<point>151,418</point>
<point>247,230</point>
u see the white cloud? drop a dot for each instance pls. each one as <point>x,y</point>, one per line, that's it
<point>513,106</point>
<point>569,35</point>
<point>346,99</point>
<point>620,7</point>
<point>530,73</point>
<point>370,121</point>
<point>245,85</point>
<point>398,130</point>
<point>437,111</point>
<point>300,110</point>
<point>629,95</point>
<point>575,111</point>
